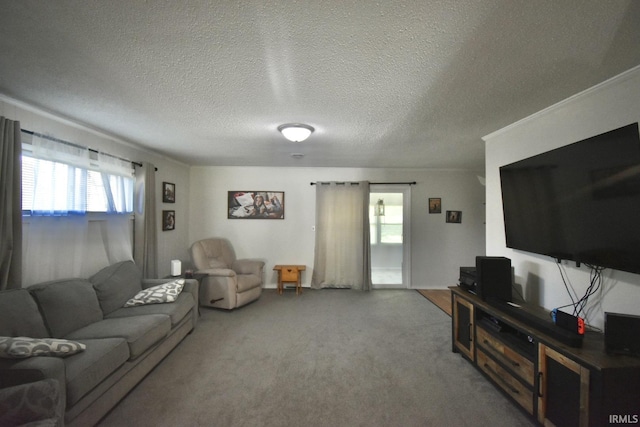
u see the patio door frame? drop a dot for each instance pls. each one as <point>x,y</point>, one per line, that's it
<point>405,189</point>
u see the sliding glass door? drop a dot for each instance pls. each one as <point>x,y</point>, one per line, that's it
<point>389,222</point>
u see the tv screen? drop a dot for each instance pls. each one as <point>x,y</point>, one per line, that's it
<point>580,202</point>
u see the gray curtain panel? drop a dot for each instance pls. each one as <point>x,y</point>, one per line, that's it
<point>145,242</point>
<point>342,256</point>
<point>11,208</point>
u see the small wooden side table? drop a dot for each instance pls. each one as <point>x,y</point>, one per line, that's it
<point>290,274</point>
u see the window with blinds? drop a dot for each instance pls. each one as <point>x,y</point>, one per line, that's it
<point>57,182</point>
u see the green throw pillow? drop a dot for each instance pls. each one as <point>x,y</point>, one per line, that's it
<point>23,347</point>
<point>166,292</point>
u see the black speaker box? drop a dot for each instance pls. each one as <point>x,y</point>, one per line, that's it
<point>621,332</point>
<point>493,277</point>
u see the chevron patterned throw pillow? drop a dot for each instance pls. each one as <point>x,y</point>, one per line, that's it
<point>166,292</point>
<point>23,347</point>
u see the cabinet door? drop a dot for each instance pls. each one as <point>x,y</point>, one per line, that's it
<point>563,390</point>
<point>463,339</point>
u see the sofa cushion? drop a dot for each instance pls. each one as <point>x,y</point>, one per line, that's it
<point>67,305</point>
<point>116,284</point>
<point>85,371</point>
<point>176,310</point>
<point>22,347</point>
<point>159,294</point>
<point>141,332</point>
<point>19,315</point>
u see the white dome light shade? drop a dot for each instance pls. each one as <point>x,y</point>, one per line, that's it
<point>296,132</point>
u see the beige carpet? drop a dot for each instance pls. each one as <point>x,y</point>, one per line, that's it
<point>324,358</point>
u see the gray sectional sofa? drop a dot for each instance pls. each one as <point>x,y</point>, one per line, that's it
<point>121,344</point>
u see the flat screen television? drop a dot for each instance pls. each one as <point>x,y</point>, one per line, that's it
<point>579,202</point>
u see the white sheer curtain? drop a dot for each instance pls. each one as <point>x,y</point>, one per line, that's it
<point>53,247</point>
<point>56,247</point>
<point>117,183</point>
<point>342,251</point>
<point>78,211</point>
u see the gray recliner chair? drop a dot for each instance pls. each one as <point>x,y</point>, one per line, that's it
<point>229,282</point>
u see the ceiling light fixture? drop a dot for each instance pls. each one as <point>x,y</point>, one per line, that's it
<point>296,132</point>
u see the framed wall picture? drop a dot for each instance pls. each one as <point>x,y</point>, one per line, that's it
<point>454,217</point>
<point>255,205</point>
<point>168,192</point>
<point>435,205</point>
<point>168,220</point>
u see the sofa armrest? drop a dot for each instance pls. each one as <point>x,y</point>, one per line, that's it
<point>36,403</point>
<point>248,266</point>
<point>14,372</point>
<point>192,286</point>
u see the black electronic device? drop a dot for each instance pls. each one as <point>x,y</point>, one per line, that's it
<point>467,279</point>
<point>568,321</point>
<point>621,332</point>
<point>576,202</point>
<point>493,277</point>
<point>544,325</point>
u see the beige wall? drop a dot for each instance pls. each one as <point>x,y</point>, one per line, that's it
<point>438,249</point>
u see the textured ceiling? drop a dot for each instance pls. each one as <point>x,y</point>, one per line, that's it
<point>385,83</point>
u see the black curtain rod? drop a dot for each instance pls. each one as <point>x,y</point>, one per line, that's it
<point>383,183</point>
<point>51,138</point>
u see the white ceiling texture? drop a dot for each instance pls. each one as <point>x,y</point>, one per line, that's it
<point>407,84</point>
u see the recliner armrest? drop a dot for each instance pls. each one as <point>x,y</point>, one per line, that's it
<point>220,272</point>
<point>248,266</point>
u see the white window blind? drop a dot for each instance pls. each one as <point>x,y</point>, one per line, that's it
<point>61,179</point>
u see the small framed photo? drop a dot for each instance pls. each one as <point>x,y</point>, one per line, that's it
<point>168,192</point>
<point>168,220</point>
<point>454,217</point>
<point>435,205</point>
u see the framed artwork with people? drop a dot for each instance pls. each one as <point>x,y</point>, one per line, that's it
<point>168,220</point>
<point>255,205</point>
<point>168,192</point>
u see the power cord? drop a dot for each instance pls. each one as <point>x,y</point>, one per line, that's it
<point>579,305</point>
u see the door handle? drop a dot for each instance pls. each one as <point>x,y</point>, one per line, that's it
<point>540,374</point>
